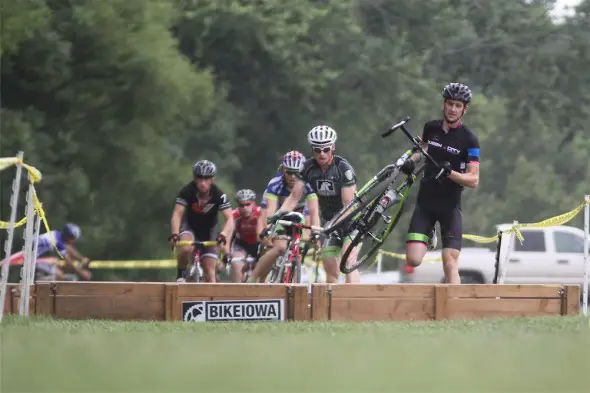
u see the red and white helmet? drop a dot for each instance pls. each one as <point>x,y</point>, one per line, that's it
<point>293,161</point>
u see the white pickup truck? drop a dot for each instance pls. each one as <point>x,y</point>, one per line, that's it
<point>552,255</point>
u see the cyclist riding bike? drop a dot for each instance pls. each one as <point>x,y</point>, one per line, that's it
<point>333,179</point>
<point>277,190</point>
<point>195,219</point>
<point>245,236</point>
<point>456,148</point>
<point>64,241</point>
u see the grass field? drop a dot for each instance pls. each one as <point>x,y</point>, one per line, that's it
<point>511,355</point>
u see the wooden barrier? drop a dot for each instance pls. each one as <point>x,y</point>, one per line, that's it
<point>155,301</point>
<point>342,302</point>
<point>101,300</point>
<point>13,297</point>
<point>361,302</point>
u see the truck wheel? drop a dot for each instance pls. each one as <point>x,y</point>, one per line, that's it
<point>471,278</point>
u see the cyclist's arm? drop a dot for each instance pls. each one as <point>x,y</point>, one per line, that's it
<point>468,179</point>
<point>471,177</point>
<point>348,194</point>
<point>74,255</point>
<point>294,197</point>
<point>228,226</point>
<point>313,208</point>
<point>176,218</point>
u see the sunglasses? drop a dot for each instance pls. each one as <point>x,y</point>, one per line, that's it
<point>245,204</point>
<point>204,177</point>
<point>322,150</point>
<point>291,173</point>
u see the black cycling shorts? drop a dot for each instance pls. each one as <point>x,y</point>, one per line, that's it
<point>425,218</point>
<point>249,249</point>
<point>202,236</point>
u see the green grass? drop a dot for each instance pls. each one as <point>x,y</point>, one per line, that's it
<point>507,355</point>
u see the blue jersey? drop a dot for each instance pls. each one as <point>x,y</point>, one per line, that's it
<point>278,190</point>
<point>48,241</point>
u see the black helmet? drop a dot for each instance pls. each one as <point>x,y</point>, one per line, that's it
<point>457,91</point>
<point>204,168</point>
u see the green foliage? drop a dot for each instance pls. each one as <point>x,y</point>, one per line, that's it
<point>114,100</point>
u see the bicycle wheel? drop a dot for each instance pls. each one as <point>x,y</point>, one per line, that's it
<point>349,213</point>
<point>371,236</point>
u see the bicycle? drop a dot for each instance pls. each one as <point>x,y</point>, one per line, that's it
<point>287,268</point>
<point>194,271</point>
<point>367,209</point>
<point>249,260</point>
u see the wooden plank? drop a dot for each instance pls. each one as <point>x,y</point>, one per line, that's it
<point>13,294</point>
<point>504,291</point>
<point>319,302</point>
<point>237,291</point>
<point>480,308</point>
<point>440,302</point>
<point>110,288</point>
<point>110,307</point>
<point>572,299</point>
<point>44,303</point>
<point>172,302</point>
<point>384,290</point>
<point>300,302</point>
<point>381,309</point>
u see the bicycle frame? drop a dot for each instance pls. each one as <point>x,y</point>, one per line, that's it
<point>195,268</point>
<point>293,254</point>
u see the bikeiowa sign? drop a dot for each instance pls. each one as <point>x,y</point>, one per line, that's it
<point>234,310</point>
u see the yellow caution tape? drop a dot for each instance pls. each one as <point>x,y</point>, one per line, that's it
<point>35,176</point>
<point>153,264</point>
<point>481,239</point>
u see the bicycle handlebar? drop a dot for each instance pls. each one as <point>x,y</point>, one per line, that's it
<point>395,127</point>
<point>291,223</point>
<point>415,140</point>
<point>207,243</point>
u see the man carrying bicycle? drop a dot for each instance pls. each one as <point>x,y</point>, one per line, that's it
<point>456,148</point>
<point>195,218</point>
<point>245,235</point>
<point>333,179</point>
<point>277,190</point>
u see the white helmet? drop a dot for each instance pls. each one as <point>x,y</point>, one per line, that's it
<point>245,195</point>
<point>321,136</point>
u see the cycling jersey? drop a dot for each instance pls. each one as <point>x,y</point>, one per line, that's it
<point>245,227</point>
<point>328,185</point>
<point>278,190</point>
<point>459,147</point>
<point>202,218</point>
<point>46,242</point>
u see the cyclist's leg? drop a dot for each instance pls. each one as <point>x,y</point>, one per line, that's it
<point>264,264</point>
<point>419,232</point>
<point>209,256</point>
<point>184,253</point>
<point>331,252</point>
<point>451,228</point>
<point>235,270</point>
<point>355,276</point>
